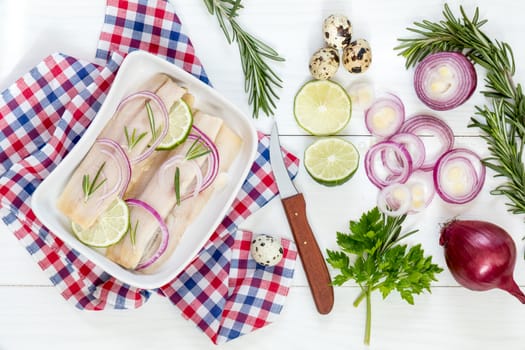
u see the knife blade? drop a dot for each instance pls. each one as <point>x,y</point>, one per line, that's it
<point>295,208</point>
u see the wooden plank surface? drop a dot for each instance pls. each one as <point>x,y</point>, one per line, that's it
<point>32,312</point>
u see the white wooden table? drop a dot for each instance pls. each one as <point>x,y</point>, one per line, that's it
<point>34,315</point>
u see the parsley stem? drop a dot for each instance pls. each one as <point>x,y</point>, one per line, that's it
<point>360,297</point>
<point>368,324</point>
<point>366,292</point>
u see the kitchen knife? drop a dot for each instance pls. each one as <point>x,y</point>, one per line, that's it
<point>295,208</point>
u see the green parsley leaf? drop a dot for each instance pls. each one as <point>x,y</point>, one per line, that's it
<point>380,262</point>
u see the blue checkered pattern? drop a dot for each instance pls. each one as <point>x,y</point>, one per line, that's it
<point>148,25</point>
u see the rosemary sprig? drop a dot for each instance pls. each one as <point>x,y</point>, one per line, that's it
<point>176,184</point>
<point>133,232</point>
<point>151,119</point>
<point>133,139</point>
<point>89,187</point>
<point>501,123</point>
<point>260,79</point>
<point>196,150</point>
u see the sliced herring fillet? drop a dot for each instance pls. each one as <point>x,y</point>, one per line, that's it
<point>71,201</point>
<point>132,108</point>
<point>180,218</point>
<point>138,123</point>
<point>159,193</point>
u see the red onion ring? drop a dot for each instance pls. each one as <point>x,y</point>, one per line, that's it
<point>177,160</point>
<point>119,156</point>
<point>165,118</point>
<point>389,177</point>
<point>415,147</point>
<point>165,235</point>
<point>213,167</point>
<point>422,190</point>
<point>437,127</point>
<point>456,69</point>
<point>388,111</point>
<point>394,199</point>
<point>473,172</point>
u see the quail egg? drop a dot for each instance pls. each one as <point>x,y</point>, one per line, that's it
<point>357,56</point>
<point>266,250</point>
<point>324,63</point>
<point>337,31</point>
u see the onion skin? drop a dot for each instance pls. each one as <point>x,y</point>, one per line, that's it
<point>480,256</point>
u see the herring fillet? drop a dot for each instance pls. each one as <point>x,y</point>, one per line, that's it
<point>71,201</point>
<point>137,121</point>
<point>181,217</point>
<point>159,193</point>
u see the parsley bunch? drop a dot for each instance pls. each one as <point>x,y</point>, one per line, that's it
<point>381,263</point>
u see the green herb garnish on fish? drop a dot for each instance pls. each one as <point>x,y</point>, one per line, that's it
<point>89,187</point>
<point>133,139</point>
<point>197,149</point>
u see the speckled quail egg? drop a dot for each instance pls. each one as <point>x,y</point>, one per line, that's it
<point>266,250</point>
<point>357,56</point>
<point>324,63</point>
<point>337,31</point>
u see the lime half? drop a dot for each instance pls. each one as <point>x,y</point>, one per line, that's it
<point>110,227</point>
<point>322,107</point>
<point>331,161</point>
<point>180,121</point>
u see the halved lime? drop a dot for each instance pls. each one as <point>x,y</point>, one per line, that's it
<point>331,161</point>
<point>110,227</point>
<point>322,107</point>
<point>180,121</point>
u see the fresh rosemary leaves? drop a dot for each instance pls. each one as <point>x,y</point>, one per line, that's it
<point>381,263</point>
<point>176,184</point>
<point>133,139</point>
<point>151,119</point>
<point>133,232</point>
<point>196,150</point>
<point>260,79</point>
<point>89,187</point>
<point>501,122</point>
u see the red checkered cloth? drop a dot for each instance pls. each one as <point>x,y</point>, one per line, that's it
<point>44,113</point>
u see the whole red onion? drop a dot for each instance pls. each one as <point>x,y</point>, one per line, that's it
<point>480,255</point>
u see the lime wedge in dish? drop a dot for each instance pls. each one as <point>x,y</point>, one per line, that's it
<point>180,122</point>
<point>322,107</point>
<point>331,161</point>
<point>110,227</point>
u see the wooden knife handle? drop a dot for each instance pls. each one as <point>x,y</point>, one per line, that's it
<point>311,256</point>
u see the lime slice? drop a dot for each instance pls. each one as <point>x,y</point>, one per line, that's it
<point>331,161</point>
<point>110,227</point>
<point>322,107</point>
<point>180,121</point>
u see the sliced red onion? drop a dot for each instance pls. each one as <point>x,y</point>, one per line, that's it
<point>177,160</point>
<point>395,199</point>
<point>385,116</point>
<point>380,175</point>
<point>426,123</point>
<point>415,147</point>
<point>459,176</point>
<point>165,235</point>
<point>164,117</point>
<point>422,190</point>
<point>118,155</point>
<point>444,80</point>
<point>214,159</point>
<point>362,94</point>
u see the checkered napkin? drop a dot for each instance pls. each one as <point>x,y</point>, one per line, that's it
<point>44,114</point>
